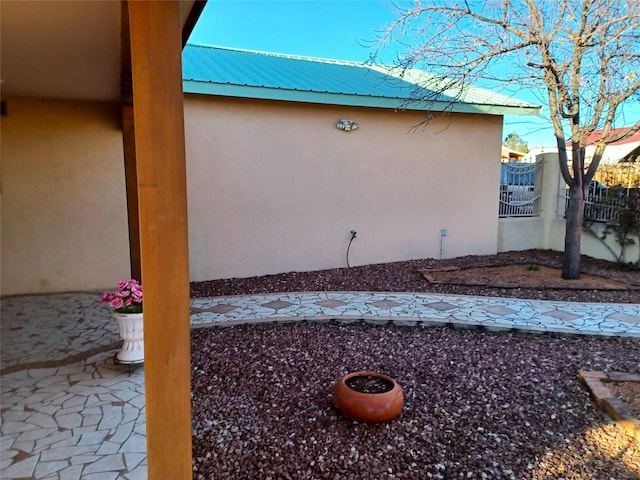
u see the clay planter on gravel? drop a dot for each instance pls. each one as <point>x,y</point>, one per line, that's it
<point>369,397</point>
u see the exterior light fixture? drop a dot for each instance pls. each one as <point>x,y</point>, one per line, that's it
<point>346,125</point>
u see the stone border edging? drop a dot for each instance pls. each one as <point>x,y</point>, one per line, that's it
<point>618,410</point>
<point>410,322</point>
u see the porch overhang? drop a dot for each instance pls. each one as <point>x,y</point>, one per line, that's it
<point>125,52</point>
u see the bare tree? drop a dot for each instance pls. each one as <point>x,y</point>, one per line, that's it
<point>584,54</point>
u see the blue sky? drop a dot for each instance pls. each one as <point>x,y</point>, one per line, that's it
<point>337,29</point>
<point>317,28</point>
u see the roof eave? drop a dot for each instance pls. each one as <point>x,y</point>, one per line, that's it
<point>345,99</point>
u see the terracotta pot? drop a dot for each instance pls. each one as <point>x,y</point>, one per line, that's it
<point>368,407</point>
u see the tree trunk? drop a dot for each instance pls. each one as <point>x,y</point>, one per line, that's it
<point>575,217</point>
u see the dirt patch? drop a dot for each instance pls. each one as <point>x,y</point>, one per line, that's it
<point>369,384</point>
<point>520,276</point>
<point>629,393</point>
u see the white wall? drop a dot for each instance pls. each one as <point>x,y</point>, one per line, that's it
<point>64,216</point>
<point>276,187</point>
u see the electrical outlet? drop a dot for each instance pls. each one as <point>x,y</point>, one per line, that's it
<point>353,234</point>
<point>443,232</point>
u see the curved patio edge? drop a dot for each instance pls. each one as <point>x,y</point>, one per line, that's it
<point>420,309</point>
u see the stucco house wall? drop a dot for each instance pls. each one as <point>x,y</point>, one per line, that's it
<point>273,187</point>
<point>64,220</point>
<point>276,187</point>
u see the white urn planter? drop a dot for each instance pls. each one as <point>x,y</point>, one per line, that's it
<point>132,334</point>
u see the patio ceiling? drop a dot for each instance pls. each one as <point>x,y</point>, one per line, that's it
<point>65,49</point>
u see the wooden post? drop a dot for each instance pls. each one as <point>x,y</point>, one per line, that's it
<point>131,181</point>
<point>155,36</point>
<point>129,144</point>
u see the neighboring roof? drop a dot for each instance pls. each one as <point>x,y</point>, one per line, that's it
<point>620,151</point>
<point>594,136</point>
<point>510,153</point>
<point>249,74</point>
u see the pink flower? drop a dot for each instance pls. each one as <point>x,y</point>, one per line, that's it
<point>116,303</point>
<point>127,299</point>
<point>107,297</point>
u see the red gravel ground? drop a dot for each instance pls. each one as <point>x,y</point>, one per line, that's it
<point>406,277</point>
<point>478,404</point>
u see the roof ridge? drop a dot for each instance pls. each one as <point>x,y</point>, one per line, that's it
<point>281,55</point>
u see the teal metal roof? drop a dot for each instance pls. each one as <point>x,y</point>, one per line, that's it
<point>249,74</point>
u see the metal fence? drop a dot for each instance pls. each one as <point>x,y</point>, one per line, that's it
<point>520,189</point>
<point>603,204</point>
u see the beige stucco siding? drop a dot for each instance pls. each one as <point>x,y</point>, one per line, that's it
<point>276,187</point>
<point>64,220</point>
<point>273,187</point>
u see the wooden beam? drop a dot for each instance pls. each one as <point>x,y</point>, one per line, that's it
<point>192,19</point>
<point>129,145</point>
<point>156,47</point>
<point>126,88</point>
<point>131,184</point>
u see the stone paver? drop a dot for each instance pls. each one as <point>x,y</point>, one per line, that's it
<point>68,412</point>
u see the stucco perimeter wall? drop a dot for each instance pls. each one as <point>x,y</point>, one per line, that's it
<point>276,187</point>
<point>548,230</point>
<point>64,215</point>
